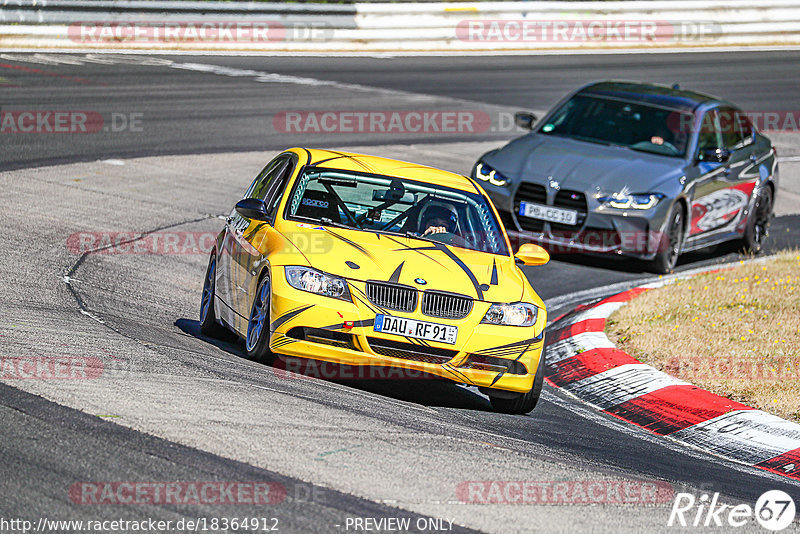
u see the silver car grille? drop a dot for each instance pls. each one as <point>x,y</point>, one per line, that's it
<point>446,305</point>
<point>392,297</point>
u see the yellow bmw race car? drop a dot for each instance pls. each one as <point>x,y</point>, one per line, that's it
<point>361,260</point>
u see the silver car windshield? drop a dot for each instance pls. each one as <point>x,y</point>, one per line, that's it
<point>616,122</point>
<point>373,203</point>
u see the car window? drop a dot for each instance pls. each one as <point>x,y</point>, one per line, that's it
<point>260,188</point>
<point>745,128</point>
<point>276,187</point>
<point>708,136</point>
<point>385,204</point>
<point>642,127</point>
<point>729,128</point>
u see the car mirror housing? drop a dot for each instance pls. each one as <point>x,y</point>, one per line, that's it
<point>524,120</point>
<point>530,254</point>
<point>252,208</point>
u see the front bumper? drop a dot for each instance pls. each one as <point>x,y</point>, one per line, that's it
<point>472,360</point>
<point>603,230</point>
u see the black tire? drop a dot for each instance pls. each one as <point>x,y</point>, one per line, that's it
<point>209,325</point>
<point>757,228</point>
<point>521,403</point>
<point>669,247</point>
<point>256,343</point>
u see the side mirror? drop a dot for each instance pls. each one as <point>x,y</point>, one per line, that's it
<point>252,208</point>
<point>531,254</point>
<point>524,120</point>
<point>717,155</point>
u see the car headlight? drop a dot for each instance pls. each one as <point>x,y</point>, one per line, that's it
<point>314,281</point>
<point>517,314</point>
<point>636,201</point>
<point>487,174</point>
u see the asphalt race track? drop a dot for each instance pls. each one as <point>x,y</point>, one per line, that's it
<point>166,404</point>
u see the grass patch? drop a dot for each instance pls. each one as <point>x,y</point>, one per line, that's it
<point>735,333</point>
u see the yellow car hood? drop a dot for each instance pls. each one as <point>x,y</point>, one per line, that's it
<point>363,255</point>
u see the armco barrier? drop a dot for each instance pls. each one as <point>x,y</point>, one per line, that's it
<point>399,26</point>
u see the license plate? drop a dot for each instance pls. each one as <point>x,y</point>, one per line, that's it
<point>401,326</point>
<point>548,213</point>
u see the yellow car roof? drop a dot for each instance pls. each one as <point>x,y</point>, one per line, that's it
<point>390,167</point>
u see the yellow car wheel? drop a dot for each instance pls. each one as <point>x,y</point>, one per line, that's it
<point>208,319</point>
<point>257,341</point>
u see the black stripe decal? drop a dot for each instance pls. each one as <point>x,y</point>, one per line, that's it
<point>498,377</point>
<point>417,250</point>
<point>396,274</point>
<point>493,282</point>
<point>287,316</point>
<point>464,268</point>
<point>462,377</point>
<point>449,253</point>
<point>352,244</point>
<point>515,345</point>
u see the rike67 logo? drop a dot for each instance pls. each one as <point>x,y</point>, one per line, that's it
<point>774,510</point>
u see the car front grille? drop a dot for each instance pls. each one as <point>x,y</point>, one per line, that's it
<point>528,192</point>
<point>446,305</point>
<point>573,200</point>
<point>392,296</point>
<point>409,351</point>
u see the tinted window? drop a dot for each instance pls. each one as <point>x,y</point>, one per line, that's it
<point>730,129</point>
<point>634,125</point>
<point>708,137</point>
<point>745,128</point>
<point>266,181</point>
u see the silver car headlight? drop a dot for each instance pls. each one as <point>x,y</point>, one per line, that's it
<point>636,201</point>
<point>314,281</point>
<point>516,314</point>
<point>487,174</point>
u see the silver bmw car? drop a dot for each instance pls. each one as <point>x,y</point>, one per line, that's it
<point>640,170</point>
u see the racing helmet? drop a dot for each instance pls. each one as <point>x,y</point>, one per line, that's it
<point>438,210</point>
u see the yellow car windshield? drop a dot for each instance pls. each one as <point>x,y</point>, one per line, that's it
<point>384,204</point>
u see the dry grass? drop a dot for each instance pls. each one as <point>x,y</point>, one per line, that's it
<point>735,333</point>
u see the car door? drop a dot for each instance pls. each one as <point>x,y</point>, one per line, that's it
<point>740,174</point>
<point>248,236</point>
<point>228,276</point>
<point>706,174</point>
